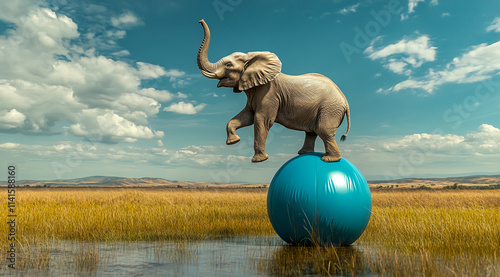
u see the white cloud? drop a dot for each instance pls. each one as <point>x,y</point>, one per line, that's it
<point>423,141</point>
<point>159,143</point>
<point>486,140</point>
<point>174,74</point>
<point>162,95</point>
<point>112,128</point>
<point>40,104</point>
<point>11,119</point>
<point>201,148</point>
<point>28,50</point>
<point>121,53</point>
<point>12,11</point>
<point>399,56</point>
<point>446,14</point>
<point>181,95</point>
<point>412,4</point>
<point>115,34</point>
<point>397,67</point>
<point>9,145</point>
<point>62,146</point>
<point>127,19</point>
<point>158,95</point>
<point>480,63</point>
<point>128,102</point>
<point>349,9</point>
<point>201,156</point>
<point>427,154</point>
<point>418,48</point>
<point>204,156</point>
<point>494,26</point>
<point>147,70</point>
<point>52,77</point>
<point>185,108</point>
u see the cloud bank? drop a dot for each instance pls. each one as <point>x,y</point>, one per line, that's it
<point>53,79</point>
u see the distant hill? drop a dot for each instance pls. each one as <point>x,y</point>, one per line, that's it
<point>467,181</point>
<point>109,181</point>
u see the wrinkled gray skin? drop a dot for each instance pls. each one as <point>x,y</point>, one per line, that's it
<point>309,102</point>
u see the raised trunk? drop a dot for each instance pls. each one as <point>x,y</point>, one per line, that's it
<point>207,68</point>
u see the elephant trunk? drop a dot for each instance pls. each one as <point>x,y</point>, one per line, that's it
<point>206,67</point>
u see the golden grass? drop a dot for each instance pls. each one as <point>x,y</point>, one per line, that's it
<point>134,214</point>
<point>435,233</point>
<point>448,223</point>
<point>428,233</point>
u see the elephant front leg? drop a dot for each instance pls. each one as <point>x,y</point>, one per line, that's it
<point>332,150</point>
<point>308,143</point>
<point>261,130</point>
<point>242,119</point>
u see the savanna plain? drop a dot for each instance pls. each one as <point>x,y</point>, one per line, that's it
<point>442,232</point>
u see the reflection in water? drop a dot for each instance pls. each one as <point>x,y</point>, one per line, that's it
<point>315,260</point>
<point>253,256</point>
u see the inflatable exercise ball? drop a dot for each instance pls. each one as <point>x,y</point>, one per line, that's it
<point>315,202</point>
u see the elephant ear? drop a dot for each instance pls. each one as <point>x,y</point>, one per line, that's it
<point>260,68</point>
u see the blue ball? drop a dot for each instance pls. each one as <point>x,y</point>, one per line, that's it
<point>315,202</point>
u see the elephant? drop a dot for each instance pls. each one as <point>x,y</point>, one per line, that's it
<point>311,102</point>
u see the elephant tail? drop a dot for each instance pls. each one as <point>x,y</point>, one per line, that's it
<point>348,113</point>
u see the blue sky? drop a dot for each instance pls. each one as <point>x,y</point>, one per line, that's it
<point>112,87</point>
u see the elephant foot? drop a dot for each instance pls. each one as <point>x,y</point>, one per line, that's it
<point>259,158</point>
<point>233,139</point>
<point>331,158</point>
<point>304,151</point>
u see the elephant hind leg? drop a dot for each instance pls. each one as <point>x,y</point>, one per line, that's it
<point>332,150</point>
<point>308,143</point>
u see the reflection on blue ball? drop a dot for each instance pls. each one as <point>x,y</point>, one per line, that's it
<point>311,201</point>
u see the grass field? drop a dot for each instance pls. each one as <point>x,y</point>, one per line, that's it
<point>428,233</point>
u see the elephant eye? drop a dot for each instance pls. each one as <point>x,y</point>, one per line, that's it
<point>229,64</point>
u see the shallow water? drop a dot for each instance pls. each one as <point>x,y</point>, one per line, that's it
<point>253,256</point>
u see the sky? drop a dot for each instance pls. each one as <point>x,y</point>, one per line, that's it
<point>112,88</point>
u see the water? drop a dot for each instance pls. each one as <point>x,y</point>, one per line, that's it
<point>252,256</point>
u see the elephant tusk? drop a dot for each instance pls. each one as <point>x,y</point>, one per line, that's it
<point>209,74</point>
